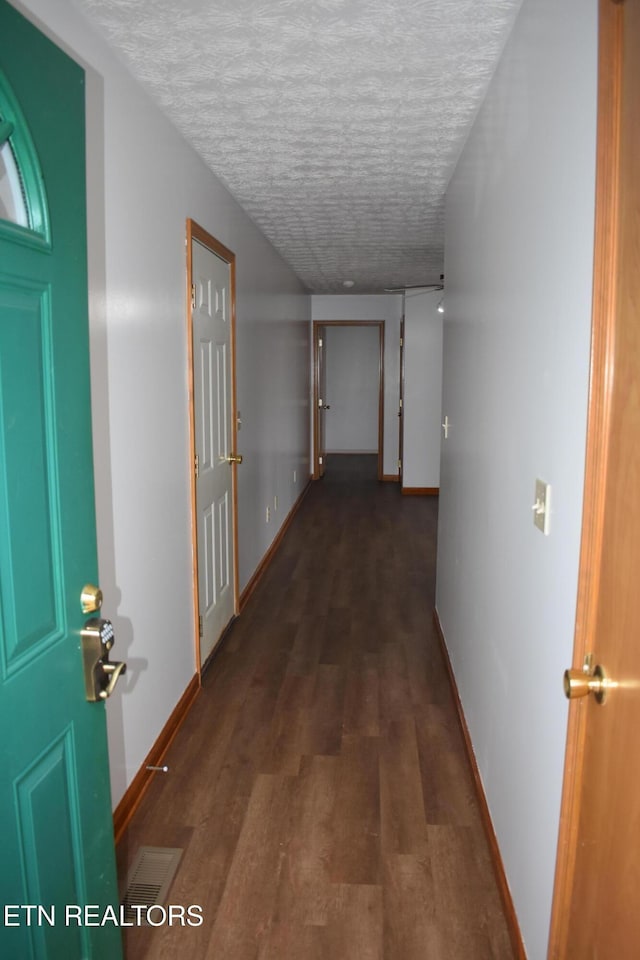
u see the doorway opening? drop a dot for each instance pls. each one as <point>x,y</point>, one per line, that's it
<point>348,392</point>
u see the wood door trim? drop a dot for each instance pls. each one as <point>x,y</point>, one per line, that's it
<point>511,917</point>
<point>610,39</point>
<point>420,491</point>
<point>315,473</point>
<point>317,324</point>
<point>196,232</point>
<point>401,403</point>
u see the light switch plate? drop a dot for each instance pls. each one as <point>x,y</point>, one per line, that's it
<point>542,506</point>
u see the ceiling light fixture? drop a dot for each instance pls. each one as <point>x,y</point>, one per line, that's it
<point>426,287</point>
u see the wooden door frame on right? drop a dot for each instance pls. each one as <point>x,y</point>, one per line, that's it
<point>317,327</point>
<point>599,427</point>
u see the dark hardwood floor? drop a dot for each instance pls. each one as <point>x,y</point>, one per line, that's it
<point>319,785</point>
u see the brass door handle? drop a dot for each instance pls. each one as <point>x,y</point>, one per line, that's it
<point>100,673</point>
<point>580,683</point>
<point>233,458</point>
<point>113,671</point>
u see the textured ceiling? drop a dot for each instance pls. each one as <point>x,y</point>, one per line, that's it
<point>336,124</point>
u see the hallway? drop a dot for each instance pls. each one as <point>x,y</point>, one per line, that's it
<point>319,786</point>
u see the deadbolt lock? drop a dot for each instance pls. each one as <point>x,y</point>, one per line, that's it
<point>90,598</point>
<point>100,673</point>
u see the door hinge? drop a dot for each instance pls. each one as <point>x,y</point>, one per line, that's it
<point>402,341</point>
<point>320,401</point>
<point>320,460</point>
<point>196,465</point>
<point>401,403</point>
<point>200,630</point>
<point>399,464</point>
<point>319,341</point>
<point>193,296</point>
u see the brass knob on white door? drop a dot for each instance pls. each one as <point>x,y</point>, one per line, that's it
<point>233,458</point>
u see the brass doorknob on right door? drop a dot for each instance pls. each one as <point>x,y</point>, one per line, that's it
<point>580,683</point>
<point>234,458</point>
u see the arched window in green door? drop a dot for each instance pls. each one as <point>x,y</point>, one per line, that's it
<point>22,196</point>
<point>12,201</point>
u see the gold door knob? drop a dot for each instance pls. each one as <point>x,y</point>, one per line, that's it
<point>234,458</point>
<point>90,598</point>
<point>579,683</point>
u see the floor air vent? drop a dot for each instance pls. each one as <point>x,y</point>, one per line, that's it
<point>149,880</point>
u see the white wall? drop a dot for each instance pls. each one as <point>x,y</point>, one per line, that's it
<point>519,247</point>
<point>387,307</point>
<point>352,362</point>
<point>143,182</point>
<point>422,389</point>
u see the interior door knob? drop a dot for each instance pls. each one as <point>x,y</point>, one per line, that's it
<point>580,683</point>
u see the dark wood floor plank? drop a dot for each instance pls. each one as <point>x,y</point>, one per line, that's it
<point>324,726</point>
<point>289,940</point>
<point>404,827</point>
<point>337,647</point>
<point>395,691</point>
<point>244,915</point>
<point>447,784</point>
<point>411,930</point>
<point>319,786</point>
<point>355,854</point>
<point>467,903</point>
<point>287,739</point>
<point>307,645</point>
<point>355,927</point>
<point>362,697</point>
<point>305,891</point>
<point>428,677</point>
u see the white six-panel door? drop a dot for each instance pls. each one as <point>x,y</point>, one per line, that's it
<point>213,410</point>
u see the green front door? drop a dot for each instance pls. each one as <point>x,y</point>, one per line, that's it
<point>57,872</point>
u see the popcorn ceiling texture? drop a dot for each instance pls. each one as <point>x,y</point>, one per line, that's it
<point>336,124</point>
